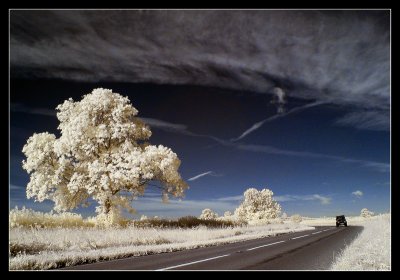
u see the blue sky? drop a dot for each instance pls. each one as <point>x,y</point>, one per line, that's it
<point>294,101</point>
<point>312,164</point>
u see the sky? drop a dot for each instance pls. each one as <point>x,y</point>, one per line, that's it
<point>294,101</point>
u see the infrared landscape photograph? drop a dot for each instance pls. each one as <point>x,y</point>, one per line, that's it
<point>223,140</point>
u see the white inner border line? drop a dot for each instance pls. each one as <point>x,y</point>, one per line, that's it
<point>265,245</point>
<point>185,264</point>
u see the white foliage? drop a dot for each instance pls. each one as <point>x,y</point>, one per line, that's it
<point>143,218</point>
<point>101,154</point>
<point>227,214</point>
<point>208,214</point>
<point>365,213</point>
<point>296,218</point>
<point>258,207</point>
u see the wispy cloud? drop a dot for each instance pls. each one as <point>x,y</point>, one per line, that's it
<point>15,187</point>
<point>324,200</point>
<point>383,183</point>
<point>231,198</point>
<point>253,128</point>
<point>377,166</point>
<point>182,129</point>
<point>284,198</point>
<point>164,125</point>
<point>259,124</point>
<point>21,108</point>
<point>369,120</point>
<point>357,193</point>
<point>210,173</point>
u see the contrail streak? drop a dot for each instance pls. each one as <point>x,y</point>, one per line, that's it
<point>277,116</point>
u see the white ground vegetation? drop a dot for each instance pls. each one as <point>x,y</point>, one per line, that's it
<point>371,249</point>
<point>57,242</point>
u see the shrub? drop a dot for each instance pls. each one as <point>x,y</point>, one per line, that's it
<point>227,214</point>
<point>365,213</point>
<point>296,218</point>
<point>183,222</point>
<point>208,214</point>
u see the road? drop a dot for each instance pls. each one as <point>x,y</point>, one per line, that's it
<point>307,250</point>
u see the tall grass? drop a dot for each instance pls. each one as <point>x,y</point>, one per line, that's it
<point>28,218</point>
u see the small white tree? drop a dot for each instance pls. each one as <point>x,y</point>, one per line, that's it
<point>208,214</point>
<point>296,218</point>
<point>102,154</point>
<point>143,218</point>
<point>258,206</point>
<point>227,214</point>
<point>365,213</point>
<point>284,216</point>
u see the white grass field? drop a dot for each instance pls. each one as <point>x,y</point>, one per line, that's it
<point>52,247</point>
<point>371,250</point>
<point>44,240</point>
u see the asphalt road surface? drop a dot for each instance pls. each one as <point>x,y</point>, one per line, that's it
<point>307,250</point>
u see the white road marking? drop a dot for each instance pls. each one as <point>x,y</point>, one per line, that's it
<point>264,245</point>
<point>300,236</point>
<point>185,264</point>
<point>209,259</point>
<point>316,232</point>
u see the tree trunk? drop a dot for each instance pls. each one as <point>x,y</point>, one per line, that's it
<point>107,206</point>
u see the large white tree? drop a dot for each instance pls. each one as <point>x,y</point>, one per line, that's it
<point>102,154</point>
<point>258,206</point>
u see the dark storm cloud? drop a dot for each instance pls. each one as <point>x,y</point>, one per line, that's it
<point>341,57</point>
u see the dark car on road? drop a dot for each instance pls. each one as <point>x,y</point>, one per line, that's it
<point>341,220</point>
